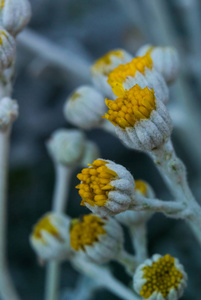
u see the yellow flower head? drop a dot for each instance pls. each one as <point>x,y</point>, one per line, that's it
<point>104,64</point>
<point>132,106</point>
<point>44,224</point>
<point>160,275</point>
<point>2,3</point>
<point>95,183</point>
<point>106,188</point>
<point>86,232</point>
<point>141,187</point>
<point>119,75</point>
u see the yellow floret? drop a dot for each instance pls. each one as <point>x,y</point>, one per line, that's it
<point>74,96</point>
<point>2,33</point>
<point>44,224</point>
<point>86,232</point>
<point>161,277</point>
<point>104,64</point>
<point>119,75</point>
<point>95,183</point>
<point>134,105</point>
<point>141,186</point>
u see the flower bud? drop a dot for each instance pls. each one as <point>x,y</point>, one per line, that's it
<point>91,152</point>
<point>165,60</point>
<point>14,15</point>
<point>160,277</point>
<point>132,218</point>
<point>139,71</point>
<point>7,49</point>
<point>104,65</point>
<point>66,146</point>
<point>106,188</point>
<point>85,107</point>
<point>50,237</point>
<point>141,119</point>
<point>8,112</point>
<point>97,239</point>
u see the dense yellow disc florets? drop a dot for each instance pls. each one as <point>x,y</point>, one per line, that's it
<point>85,232</point>
<point>44,224</point>
<point>104,64</point>
<point>134,105</point>
<point>141,186</point>
<point>95,183</point>
<point>118,76</point>
<point>161,276</point>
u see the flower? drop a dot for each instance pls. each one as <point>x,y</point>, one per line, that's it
<point>14,15</point>
<point>85,107</point>
<point>161,277</point>
<point>139,71</point>
<point>132,218</point>
<point>106,188</point>
<point>96,238</point>
<point>141,119</point>
<point>50,237</point>
<point>7,49</point>
<point>8,112</point>
<point>66,146</point>
<point>104,65</point>
<point>165,60</point>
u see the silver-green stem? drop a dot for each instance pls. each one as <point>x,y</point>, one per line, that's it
<point>62,184</point>
<point>138,233</point>
<point>7,290</point>
<point>104,277</point>
<point>128,261</point>
<point>174,173</point>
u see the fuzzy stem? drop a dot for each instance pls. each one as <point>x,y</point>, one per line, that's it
<point>174,174</point>
<point>128,261</point>
<point>170,208</point>
<point>138,233</point>
<point>7,289</point>
<point>105,278</point>
<point>63,176</point>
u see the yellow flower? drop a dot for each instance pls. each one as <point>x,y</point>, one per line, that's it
<point>160,278</point>
<point>105,187</point>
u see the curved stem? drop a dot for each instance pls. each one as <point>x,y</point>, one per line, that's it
<point>105,278</point>
<point>128,261</point>
<point>63,176</point>
<point>138,233</point>
<point>174,173</point>
<point>7,289</point>
<point>169,208</point>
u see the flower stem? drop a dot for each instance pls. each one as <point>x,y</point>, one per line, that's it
<point>128,261</point>
<point>174,174</point>
<point>63,176</point>
<point>105,278</point>
<point>138,233</point>
<point>7,290</point>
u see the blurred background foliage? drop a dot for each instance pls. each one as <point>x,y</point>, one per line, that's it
<point>88,29</point>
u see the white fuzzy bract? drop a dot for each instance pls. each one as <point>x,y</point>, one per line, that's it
<point>15,15</point>
<point>120,198</point>
<point>165,60</point>
<point>108,246</point>
<point>66,146</point>
<point>7,49</point>
<point>148,134</point>
<point>8,112</point>
<point>85,107</point>
<point>50,244</point>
